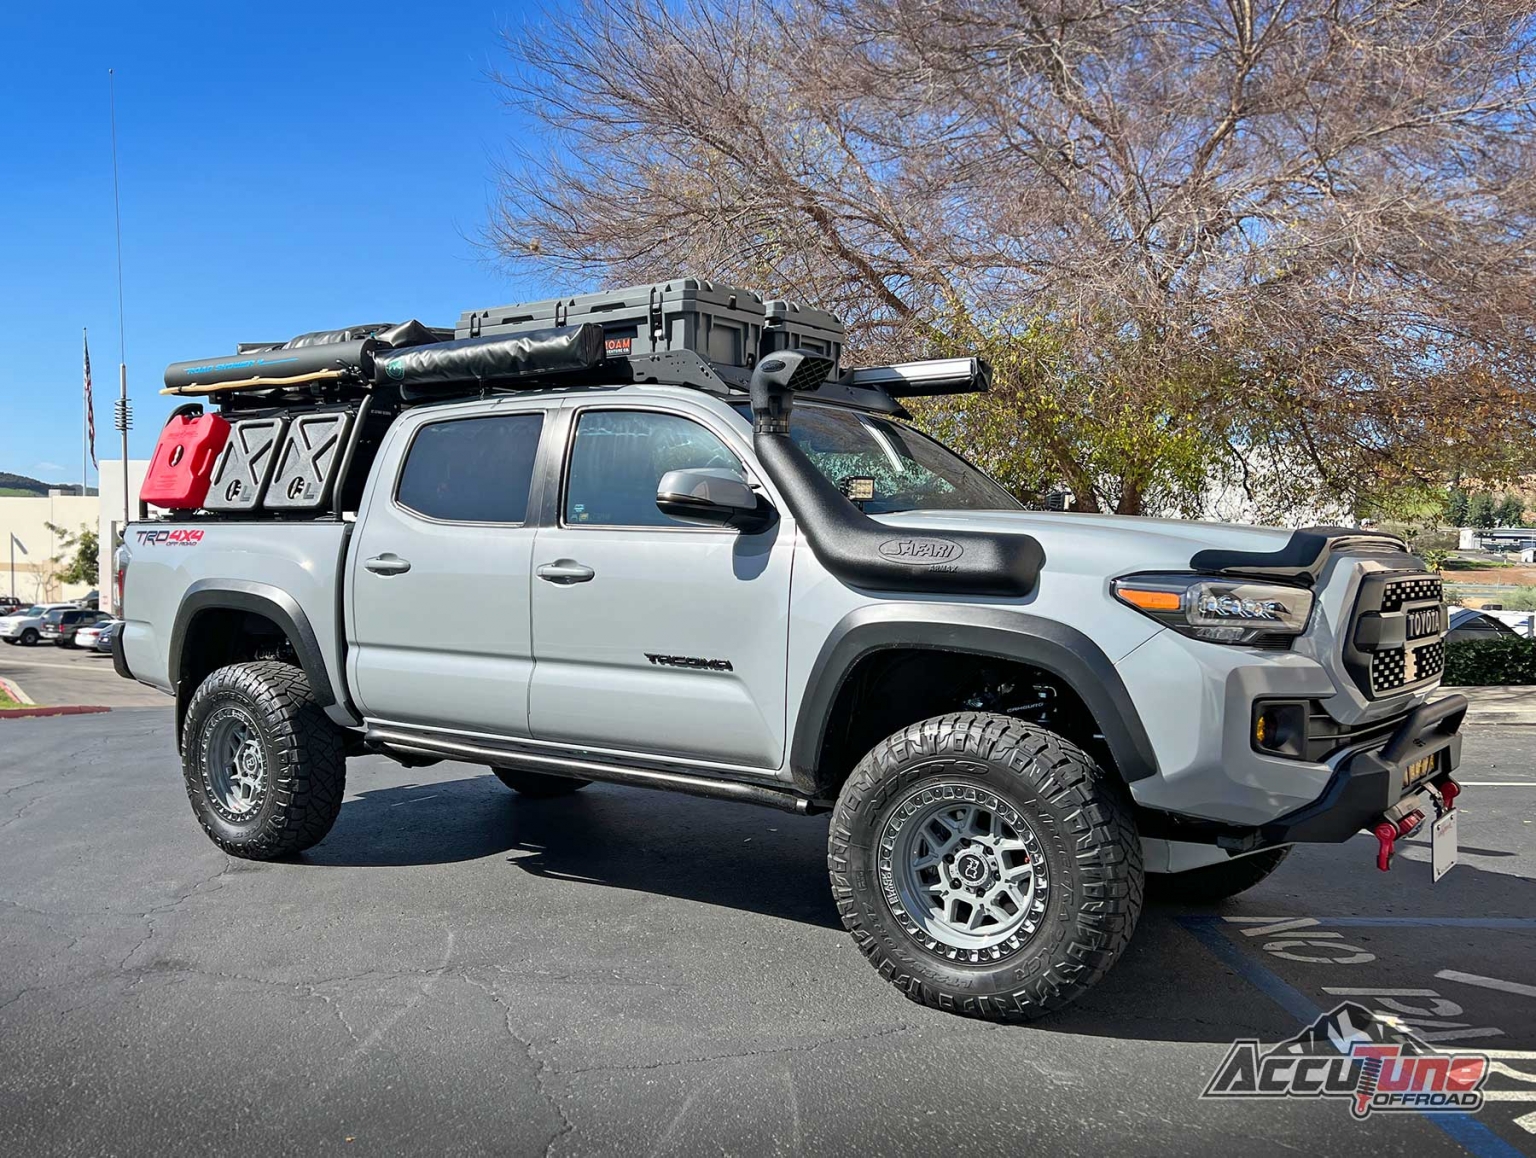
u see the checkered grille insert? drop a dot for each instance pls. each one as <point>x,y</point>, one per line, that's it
<point>1398,594</point>
<point>1389,669</point>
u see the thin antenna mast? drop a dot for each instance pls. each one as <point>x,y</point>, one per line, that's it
<point>122,412</point>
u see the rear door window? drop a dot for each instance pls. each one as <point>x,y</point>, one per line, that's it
<point>472,470</point>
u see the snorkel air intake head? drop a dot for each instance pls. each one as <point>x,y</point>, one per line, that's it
<point>776,379</point>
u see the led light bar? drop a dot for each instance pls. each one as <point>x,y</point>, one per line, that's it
<point>920,379</point>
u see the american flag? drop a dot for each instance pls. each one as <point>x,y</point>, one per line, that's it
<point>90,410</point>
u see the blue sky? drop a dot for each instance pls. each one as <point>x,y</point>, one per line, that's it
<point>284,168</point>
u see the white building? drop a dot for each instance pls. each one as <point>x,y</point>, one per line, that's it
<point>35,573</point>
<point>29,546</point>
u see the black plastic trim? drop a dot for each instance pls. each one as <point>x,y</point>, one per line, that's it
<point>1301,559</point>
<point>119,657</point>
<point>260,599</point>
<point>998,632</point>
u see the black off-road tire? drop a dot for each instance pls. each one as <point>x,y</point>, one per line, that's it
<point>538,785</point>
<point>304,753</point>
<point>1082,819</point>
<point>29,637</point>
<point>1216,882</point>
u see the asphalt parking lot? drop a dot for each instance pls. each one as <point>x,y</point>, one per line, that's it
<point>68,675</point>
<point>457,970</point>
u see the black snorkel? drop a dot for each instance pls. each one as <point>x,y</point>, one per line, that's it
<point>859,550</point>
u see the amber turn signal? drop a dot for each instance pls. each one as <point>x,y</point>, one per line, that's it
<point>1149,600</point>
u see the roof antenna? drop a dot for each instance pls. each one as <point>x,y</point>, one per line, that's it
<point>123,410</point>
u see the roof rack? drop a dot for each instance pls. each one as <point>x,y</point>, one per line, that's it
<point>687,332</point>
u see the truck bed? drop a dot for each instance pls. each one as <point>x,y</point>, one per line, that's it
<point>296,564</point>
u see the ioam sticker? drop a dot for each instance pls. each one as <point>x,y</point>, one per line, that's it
<point>617,346</point>
<point>180,537</point>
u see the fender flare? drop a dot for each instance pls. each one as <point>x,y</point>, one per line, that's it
<point>261,599</point>
<point>995,632</point>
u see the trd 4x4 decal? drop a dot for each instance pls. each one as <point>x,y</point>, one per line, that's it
<point>180,537</point>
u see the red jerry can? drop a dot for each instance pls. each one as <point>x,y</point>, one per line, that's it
<point>182,466</point>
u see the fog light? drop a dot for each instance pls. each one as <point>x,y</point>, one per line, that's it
<point>1280,728</point>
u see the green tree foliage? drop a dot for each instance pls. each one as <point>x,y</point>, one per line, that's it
<point>1510,512</point>
<point>1482,513</point>
<point>1457,505</point>
<point>78,561</point>
<point>1283,247</point>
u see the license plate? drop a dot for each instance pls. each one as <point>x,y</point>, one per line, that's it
<point>1442,844</point>
<point>1420,768</point>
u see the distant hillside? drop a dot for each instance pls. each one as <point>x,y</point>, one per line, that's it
<point>21,486</point>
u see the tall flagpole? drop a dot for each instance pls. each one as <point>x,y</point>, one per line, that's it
<point>123,413</point>
<point>85,426</point>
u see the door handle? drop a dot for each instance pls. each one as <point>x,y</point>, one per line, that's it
<point>388,564</point>
<point>565,572</point>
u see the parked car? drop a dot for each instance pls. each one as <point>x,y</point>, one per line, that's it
<point>108,636</point>
<point>1467,624</point>
<point>89,636</point>
<point>26,626</point>
<point>91,599</point>
<point>10,605</point>
<point>60,624</point>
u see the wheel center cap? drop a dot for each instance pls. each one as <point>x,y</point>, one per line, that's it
<point>971,868</point>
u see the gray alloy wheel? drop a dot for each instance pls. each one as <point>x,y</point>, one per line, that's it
<point>964,872</point>
<point>234,762</point>
<point>29,637</point>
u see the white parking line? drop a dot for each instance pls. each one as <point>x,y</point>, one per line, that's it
<point>1487,982</point>
<point>1497,783</point>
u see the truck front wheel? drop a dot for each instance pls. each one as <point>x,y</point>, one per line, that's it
<point>265,769</point>
<point>985,866</point>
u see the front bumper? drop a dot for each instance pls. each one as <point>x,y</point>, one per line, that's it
<point>1367,784</point>
<point>1422,751</point>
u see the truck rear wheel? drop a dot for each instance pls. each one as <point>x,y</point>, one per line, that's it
<point>265,768</point>
<point>538,784</point>
<point>1216,882</point>
<point>985,866</point>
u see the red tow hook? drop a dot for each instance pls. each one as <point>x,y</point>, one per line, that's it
<point>1449,791</point>
<point>1387,833</point>
<point>1386,836</point>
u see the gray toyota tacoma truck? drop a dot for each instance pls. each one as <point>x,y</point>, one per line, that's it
<point>572,557</point>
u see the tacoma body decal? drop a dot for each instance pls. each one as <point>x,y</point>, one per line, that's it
<point>692,661</point>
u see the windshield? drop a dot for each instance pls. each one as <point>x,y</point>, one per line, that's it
<point>899,467</point>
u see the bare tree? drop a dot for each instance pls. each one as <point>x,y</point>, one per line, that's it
<point>1287,241</point>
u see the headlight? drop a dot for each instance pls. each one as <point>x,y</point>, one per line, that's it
<point>1219,610</point>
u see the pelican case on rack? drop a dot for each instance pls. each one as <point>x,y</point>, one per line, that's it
<point>721,323</point>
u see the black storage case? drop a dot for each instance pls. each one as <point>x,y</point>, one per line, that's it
<point>788,325</point>
<point>720,323</point>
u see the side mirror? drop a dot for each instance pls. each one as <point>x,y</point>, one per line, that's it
<point>713,496</point>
